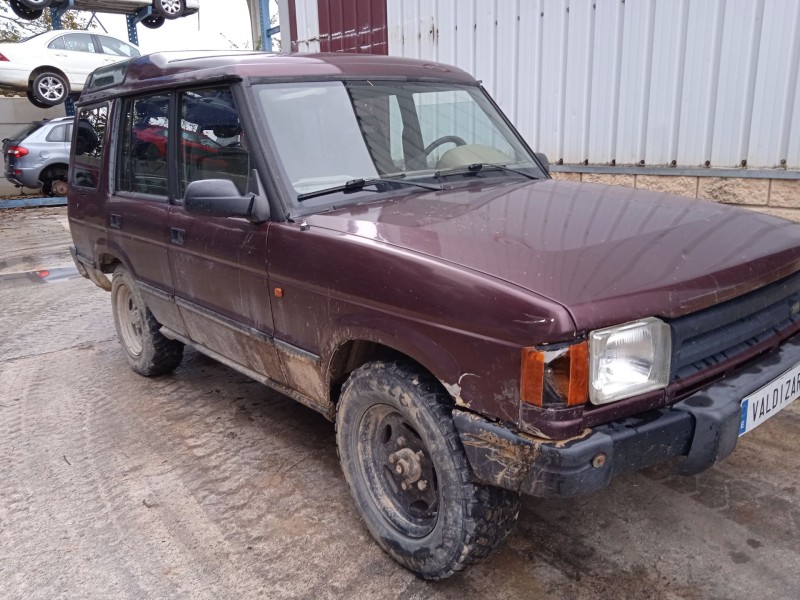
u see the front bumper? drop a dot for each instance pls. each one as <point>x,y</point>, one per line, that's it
<point>703,428</point>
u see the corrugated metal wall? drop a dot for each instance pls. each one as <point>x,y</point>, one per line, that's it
<point>339,26</point>
<point>347,26</point>
<point>628,82</point>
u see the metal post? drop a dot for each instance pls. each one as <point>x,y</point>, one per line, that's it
<point>266,31</point>
<point>55,22</point>
<point>134,20</point>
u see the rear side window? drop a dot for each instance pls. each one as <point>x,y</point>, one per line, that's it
<point>79,42</point>
<point>144,140</point>
<point>57,44</point>
<point>57,134</point>
<point>115,47</point>
<point>88,144</point>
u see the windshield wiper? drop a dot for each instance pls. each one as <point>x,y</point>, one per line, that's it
<point>356,185</point>
<point>475,168</point>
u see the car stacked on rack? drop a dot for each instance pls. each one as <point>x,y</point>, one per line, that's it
<point>50,66</point>
<point>162,9</point>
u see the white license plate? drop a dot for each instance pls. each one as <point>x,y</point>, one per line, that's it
<point>770,399</point>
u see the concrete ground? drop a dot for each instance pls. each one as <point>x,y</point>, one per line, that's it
<point>204,484</point>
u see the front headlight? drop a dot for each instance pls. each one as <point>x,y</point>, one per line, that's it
<point>628,359</point>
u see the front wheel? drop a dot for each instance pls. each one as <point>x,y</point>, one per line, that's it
<point>169,9</point>
<point>409,475</point>
<point>147,350</point>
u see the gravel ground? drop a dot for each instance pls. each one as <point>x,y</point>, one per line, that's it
<point>204,484</point>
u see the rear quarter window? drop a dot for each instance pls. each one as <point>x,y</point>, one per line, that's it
<point>88,143</point>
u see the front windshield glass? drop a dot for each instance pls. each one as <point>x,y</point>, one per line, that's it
<point>330,133</point>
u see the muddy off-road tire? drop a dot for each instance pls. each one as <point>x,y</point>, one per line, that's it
<point>148,351</point>
<point>394,428</point>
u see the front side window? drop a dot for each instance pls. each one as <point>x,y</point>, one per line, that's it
<point>143,147</point>
<point>88,144</point>
<point>329,133</point>
<point>211,145</point>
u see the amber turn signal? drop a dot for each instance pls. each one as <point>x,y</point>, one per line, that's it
<point>555,377</point>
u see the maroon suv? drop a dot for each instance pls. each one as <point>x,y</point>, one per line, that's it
<point>372,237</point>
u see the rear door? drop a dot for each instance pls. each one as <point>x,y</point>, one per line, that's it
<point>77,56</point>
<point>138,207</point>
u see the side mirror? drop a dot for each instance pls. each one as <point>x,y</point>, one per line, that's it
<point>217,198</point>
<point>543,159</point>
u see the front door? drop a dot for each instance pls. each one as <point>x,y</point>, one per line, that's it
<point>219,264</point>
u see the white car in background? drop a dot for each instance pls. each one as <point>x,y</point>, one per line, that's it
<point>162,9</point>
<point>50,66</point>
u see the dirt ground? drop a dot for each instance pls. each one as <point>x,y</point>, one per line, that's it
<point>204,484</point>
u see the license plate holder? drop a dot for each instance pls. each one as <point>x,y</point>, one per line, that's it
<point>770,399</point>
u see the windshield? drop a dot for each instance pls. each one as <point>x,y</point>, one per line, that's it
<point>333,132</point>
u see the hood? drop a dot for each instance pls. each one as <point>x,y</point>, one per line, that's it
<point>608,254</point>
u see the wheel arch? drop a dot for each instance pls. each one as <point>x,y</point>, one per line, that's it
<point>350,354</point>
<point>47,69</point>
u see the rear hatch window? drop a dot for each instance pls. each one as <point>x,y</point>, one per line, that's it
<point>20,135</point>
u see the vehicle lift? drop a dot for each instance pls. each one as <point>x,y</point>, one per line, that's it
<point>133,35</point>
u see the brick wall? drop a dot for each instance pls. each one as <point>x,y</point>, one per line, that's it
<point>779,197</point>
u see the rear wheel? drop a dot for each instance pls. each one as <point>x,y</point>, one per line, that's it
<point>147,350</point>
<point>409,475</point>
<point>54,183</point>
<point>50,88</point>
<point>169,9</point>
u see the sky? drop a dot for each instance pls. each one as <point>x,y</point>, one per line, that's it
<point>220,25</point>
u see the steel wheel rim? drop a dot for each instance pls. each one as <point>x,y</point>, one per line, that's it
<point>129,317</point>
<point>51,88</point>
<point>171,7</point>
<point>384,433</point>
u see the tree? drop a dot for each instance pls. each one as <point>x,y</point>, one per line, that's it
<point>14,29</point>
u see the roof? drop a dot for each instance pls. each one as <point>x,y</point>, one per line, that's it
<point>168,69</point>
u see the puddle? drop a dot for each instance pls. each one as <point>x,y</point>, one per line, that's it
<point>40,276</point>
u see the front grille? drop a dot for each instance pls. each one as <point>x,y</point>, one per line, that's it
<point>719,334</point>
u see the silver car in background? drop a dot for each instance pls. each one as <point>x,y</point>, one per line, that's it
<point>37,156</point>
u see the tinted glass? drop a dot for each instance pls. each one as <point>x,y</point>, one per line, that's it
<point>142,164</point>
<point>88,144</point>
<point>25,131</point>
<point>212,145</point>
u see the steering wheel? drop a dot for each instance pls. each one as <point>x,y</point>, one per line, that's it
<point>445,139</point>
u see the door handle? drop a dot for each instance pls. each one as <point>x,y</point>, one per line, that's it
<point>177,236</point>
<point>115,221</point>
